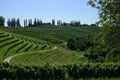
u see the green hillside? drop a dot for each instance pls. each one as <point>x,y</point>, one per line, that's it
<point>55,34</point>
<point>11,44</point>
<point>31,47</point>
<point>57,56</point>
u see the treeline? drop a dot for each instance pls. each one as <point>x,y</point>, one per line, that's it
<point>14,22</point>
<point>38,22</point>
<point>64,72</point>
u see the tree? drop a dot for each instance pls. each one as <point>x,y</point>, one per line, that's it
<point>109,38</point>
<point>25,22</point>
<point>53,22</point>
<point>109,14</point>
<point>13,22</point>
<point>59,22</point>
<point>2,21</point>
<point>108,11</point>
<point>18,23</point>
<point>80,43</point>
<point>9,22</point>
<point>39,22</point>
<point>35,22</point>
<point>75,23</point>
<point>30,22</point>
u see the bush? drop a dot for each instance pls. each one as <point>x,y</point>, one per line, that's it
<point>114,55</point>
<point>97,53</point>
<point>80,43</point>
<point>63,72</point>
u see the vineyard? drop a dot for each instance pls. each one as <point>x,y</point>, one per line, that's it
<point>40,53</point>
<point>88,71</point>
<point>52,34</point>
<point>55,34</point>
<point>58,56</point>
<point>11,44</point>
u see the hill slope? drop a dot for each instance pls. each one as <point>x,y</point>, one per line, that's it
<point>57,56</point>
<point>55,34</point>
<point>11,44</point>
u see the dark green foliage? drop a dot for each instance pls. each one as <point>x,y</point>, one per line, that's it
<point>18,22</point>
<point>13,22</point>
<point>53,22</point>
<point>9,22</point>
<point>109,14</point>
<point>111,36</point>
<point>75,23</point>
<point>2,21</point>
<point>30,22</point>
<point>114,55</point>
<point>97,53</point>
<point>36,22</point>
<point>80,43</point>
<point>55,35</point>
<point>48,72</point>
<point>25,23</point>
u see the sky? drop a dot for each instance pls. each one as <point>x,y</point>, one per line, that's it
<point>46,10</point>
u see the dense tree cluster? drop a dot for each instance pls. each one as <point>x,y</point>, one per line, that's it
<point>108,41</point>
<point>80,43</point>
<point>75,23</point>
<point>30,23</point>
<point>13,22</point>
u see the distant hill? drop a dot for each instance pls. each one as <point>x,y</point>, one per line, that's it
<point>55,34</point>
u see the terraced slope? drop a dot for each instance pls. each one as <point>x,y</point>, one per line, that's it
<point>11,44</point>
<point>55,34</point>
<point>57,56</point>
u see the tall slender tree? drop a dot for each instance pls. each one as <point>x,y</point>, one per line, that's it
<point>18,22</point>
<point>13,22</point>
<point>9,22</point>
<point>53,22</point>
<point>35,22</point>
<point>30,22</point>
<point>2,21</point>
<point>25,23</point>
